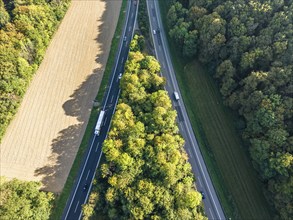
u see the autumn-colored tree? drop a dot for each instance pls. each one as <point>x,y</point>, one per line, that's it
<point>146,174</point>
<point>24,200</point>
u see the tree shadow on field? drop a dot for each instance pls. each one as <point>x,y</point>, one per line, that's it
<point>65,146</point>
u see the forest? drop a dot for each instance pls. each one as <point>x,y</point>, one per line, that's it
<point>23,200</point>
<point>248,47</point>
<point>146,173</point>
<point>26,28</point>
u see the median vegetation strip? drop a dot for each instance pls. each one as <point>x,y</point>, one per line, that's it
<point>146,174</point>
<point>143,19</point>
<point>62,199</point>
<point>235,180</point>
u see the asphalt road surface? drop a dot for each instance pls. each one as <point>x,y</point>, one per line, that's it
<point>83,183</point>
<point>204,184</point>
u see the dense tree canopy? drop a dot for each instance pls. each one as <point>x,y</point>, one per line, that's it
<point>146,174</point>
<point>24,200</point>
<point>26,27</point>
<point>142,18</point>
<point>249,47</point>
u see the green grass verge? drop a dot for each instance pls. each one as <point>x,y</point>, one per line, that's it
<point>62,199</point>
<point>236,182</point>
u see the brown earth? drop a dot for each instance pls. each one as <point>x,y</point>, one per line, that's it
<point>43,139</point>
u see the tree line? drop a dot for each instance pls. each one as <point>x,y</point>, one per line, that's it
<point>143,19</point>
<point>248,46</point>
<point>146,174</point>
<point>26,27</point>
<point>23,200</point>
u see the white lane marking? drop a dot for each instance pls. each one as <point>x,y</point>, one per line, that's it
<point>180,125</point>
<point>80,177</point>
<point>88,173</point>
<point>187,123</point>
<point>88,192</point>
<point>199,181</point>
<point>189,153</point>
<point>87,195</point>
<point>105,121</point>
<point>112,98</point>
<point>97,147</point>
<point>76,207</point>
<point>127,18</point>
<point>211,213</point>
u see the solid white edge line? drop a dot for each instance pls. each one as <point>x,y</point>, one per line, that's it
<point>114,106</point>
<point>120,48</point>
<point>176,86</point>
<point>80,177</point>
<point>91,183</point>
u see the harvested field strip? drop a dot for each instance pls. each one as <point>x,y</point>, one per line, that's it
<point>62,199</point>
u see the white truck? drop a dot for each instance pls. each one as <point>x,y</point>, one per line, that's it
<point>99,123</point>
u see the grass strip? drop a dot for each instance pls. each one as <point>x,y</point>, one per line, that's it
<point>234,178</point>
<point>61,200</point>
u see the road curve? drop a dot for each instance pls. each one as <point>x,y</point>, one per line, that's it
<point>83,182</point>
<point>204,184</point>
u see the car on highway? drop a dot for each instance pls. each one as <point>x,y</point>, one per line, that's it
<point>154,31</point>
<point>176,95</point>
<point>85,187</point>
<point>202,194</point>
<point>125,38</point>
<point>120,76</point>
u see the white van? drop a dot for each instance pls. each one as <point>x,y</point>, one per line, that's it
<point>176,95</point>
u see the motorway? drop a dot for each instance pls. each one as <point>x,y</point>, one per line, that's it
<point>83,183</point>
<point>204,184</point>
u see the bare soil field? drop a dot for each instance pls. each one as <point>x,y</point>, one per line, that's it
<point>43,139</point>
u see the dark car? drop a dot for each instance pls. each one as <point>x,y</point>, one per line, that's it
<point>202,194</point>
<point>85,187</point>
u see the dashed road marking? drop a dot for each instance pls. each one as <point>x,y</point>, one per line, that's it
<point>97,147</point>
<point>76,207</point>
<point>88,173</point>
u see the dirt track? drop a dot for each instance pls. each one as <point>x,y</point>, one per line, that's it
<point>43,139</point>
